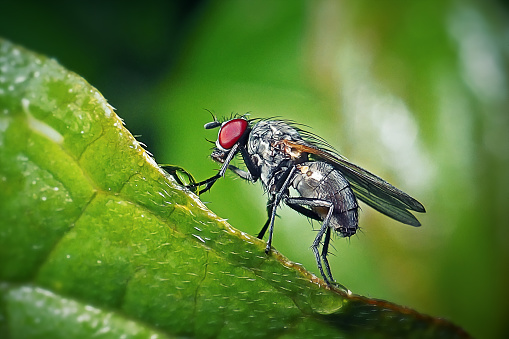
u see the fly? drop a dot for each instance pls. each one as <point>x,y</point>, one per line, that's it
<point>282,156</point>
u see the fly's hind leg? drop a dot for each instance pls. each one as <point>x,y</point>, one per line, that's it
<point>325,248</point>
<point>325,251</point>
<point>324,230</point>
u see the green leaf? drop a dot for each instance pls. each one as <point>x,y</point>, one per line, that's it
<point>97,240</point>
<point>37,313</point>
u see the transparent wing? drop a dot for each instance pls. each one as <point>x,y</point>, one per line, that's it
<point>368,187</point>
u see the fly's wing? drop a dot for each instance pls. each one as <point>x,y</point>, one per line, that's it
<point>368,187</point>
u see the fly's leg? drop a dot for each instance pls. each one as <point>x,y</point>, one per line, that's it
<point>253,170</point>
<point>209,182</point>
<point>241,173</point>
<point>252,175</point>
<point>212,180</point>
<point>318,239</point>
<point>282,192</point>
<point>270,206</point>
<point>304,211</point>
<point>325,251</point>
<point>324,230</point>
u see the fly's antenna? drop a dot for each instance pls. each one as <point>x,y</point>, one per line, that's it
<point>213,115</point>
<point>213,124</point>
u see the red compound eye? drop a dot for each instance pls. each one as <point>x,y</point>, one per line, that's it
<point>231,132</point>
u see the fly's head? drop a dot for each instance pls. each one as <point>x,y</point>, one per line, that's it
<point>230,133</point>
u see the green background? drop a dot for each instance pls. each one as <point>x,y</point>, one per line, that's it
<point>413,91</point>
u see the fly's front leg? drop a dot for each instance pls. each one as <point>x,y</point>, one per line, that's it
<point>254,171</point>
<point>212,180</point>
<point>241,173</point>
<point>209,182</point>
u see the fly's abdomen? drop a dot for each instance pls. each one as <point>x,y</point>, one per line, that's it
<point>320,180</point>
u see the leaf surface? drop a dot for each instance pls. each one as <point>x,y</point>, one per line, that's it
<point>96,240</point>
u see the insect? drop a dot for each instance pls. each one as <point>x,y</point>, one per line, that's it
<point>282,156</point>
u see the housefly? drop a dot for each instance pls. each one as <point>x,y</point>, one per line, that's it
<point>282,156</point>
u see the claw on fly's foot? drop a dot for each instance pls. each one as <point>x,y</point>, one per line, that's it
<point>339,286</point>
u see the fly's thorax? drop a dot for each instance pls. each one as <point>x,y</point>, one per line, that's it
<point>266,150</point>
<point>265,135</point>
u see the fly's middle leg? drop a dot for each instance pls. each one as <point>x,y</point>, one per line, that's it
<point>270,207</point>
<point>282,193</point>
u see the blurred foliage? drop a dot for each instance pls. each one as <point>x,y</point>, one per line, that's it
<point>416,92</point>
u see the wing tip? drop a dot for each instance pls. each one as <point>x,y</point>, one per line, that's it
<point>417,206</point>
<point>417,223</point>
<point>410,220</point>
